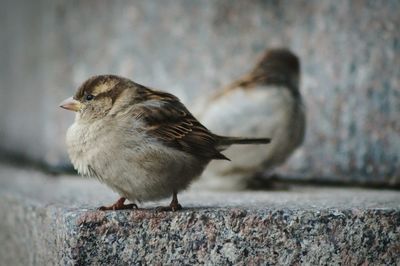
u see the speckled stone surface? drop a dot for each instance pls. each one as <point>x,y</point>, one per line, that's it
<point>53,221</point>
<point>350,52</point>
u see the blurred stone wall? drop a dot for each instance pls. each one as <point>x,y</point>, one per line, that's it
<point>350,52</point>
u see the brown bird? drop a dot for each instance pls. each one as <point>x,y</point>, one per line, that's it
<point>144,144</point>
<point>264,102</point>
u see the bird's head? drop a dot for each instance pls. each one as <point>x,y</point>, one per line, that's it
<point>279,66</point>
<point>96,96</point>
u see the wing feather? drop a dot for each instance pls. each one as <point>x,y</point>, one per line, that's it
<point>167,119</point>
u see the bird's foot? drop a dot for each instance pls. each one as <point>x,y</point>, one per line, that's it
<point>173,206</point>
<point>119,205</point>
<point>169,208</point>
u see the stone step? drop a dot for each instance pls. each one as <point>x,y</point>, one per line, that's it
<point>53,221</point>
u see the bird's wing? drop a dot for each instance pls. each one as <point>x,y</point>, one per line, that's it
<point>167,119</point>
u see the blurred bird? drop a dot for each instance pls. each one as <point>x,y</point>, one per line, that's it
<point>142,143</point>
<point>265,102</point>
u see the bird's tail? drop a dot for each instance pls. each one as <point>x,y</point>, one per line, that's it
<point>228,141</point>
<point>225,142</point>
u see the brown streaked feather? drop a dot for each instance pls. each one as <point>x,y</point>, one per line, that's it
<point>114,93</point>
<point>171,123</point>
<point>102,86</point>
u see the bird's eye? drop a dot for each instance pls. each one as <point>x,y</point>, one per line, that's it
<point>89,97</point>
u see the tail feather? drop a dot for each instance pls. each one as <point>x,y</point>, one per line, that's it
<point>227,141</point>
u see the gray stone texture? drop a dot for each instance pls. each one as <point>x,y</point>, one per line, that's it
<point>350,52</point>
<point>53,221</point>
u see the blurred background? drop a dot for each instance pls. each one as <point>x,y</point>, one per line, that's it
<point>350,54</point>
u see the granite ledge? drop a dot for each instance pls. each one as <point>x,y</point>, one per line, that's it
<point>54,221</point>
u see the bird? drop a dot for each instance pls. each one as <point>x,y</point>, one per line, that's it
<point>264,102</point>
<point>142,143</point>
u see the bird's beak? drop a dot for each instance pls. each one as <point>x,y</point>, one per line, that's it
<point>71,104</point>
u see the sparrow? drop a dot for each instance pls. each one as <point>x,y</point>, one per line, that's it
<point>142,143</point>
<point>264,102</point>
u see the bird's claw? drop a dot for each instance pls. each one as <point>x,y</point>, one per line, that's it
<point>172,207</point>
<point>119,205</point>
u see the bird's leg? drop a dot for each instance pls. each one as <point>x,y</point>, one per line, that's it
<point>119,205</point>
<point>173,206</point>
